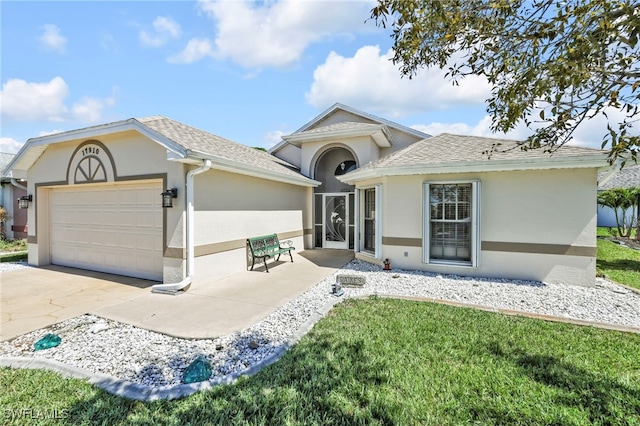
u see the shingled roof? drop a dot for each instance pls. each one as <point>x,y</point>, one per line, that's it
<point>628,177</point>
<point>201,142</point>
<point>448,153</point>
<point>185,143</point>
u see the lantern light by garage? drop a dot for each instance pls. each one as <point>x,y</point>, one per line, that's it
<point>168,196</point>
<point>23,202</point>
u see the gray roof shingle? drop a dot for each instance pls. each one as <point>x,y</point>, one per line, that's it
<point>628,177</point>
<point>5,159</point>
<point>207,143</point>
<point>450,149</point>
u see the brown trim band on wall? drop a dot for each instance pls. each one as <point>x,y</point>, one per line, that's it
<point>308,231</point>
<point>557,249</point>
<point>399,241</point>
<point>207,249</point>
<point>174,253</point>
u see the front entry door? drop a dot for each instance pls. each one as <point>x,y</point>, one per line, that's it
<point>335,213</point>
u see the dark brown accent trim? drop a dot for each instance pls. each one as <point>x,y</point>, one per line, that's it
<point>174,253</point>
<point>32,239</point>
<point>214,248</point>
<point>400,241</point>
<point>308,231</point>
<point>557,249</point>
<point>19,228</point>
<point>290,234</point>
<point>207,249</point>
<point>106,150</point>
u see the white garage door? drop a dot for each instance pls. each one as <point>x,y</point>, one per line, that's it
<point>109,228</point>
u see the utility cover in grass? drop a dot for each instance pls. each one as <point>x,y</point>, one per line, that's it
<point>198,371</point>
<point>48,341</point>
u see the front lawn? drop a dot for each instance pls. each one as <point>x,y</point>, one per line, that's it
<point>383,361</point>
<point>617,263</point>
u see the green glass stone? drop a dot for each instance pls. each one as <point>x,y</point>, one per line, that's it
<point>48,341</point>
<point>198,371</point>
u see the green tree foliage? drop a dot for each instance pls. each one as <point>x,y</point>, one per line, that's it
<point>552,63</point>
<point>620,200</point>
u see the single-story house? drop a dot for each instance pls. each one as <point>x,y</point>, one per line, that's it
<point>15,227</point>
<point>627,177</point>
<point>345,180</point>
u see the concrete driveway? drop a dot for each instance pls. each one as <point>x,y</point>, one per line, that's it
<point>33,298</point>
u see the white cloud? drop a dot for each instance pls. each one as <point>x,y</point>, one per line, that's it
<point>371,81</point>
<point>274,137</point>
<point>10,145</point>
<point>24,101</point>
<point>276,34</point>
<point>52,39</point>
<point>164,30</point>
<point>196,49</point>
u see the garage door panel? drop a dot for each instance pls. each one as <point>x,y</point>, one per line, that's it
<point>109,228</point>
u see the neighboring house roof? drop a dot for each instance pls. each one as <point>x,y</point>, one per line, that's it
<point>447,153</point>
<point>5,159</point>
<point>627,177</point>
<point>183,143</point>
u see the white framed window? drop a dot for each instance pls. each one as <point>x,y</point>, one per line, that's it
<point>451,223</point>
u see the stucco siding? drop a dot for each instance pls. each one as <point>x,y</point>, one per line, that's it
<point>232,207</point>
<point>533,224</point>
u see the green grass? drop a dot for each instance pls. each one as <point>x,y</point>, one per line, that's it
<point>13,245</point>
<point>618,263</point>
<point>15,250</point>
<point>382,361</point>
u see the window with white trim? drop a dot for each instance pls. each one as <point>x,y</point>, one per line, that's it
<point>451,228</point>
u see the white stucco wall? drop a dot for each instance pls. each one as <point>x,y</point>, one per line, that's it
<point>554,208</point>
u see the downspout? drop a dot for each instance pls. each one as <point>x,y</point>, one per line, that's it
<point>182,286</point>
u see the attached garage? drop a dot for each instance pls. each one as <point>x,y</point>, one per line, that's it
<point>114,228</point>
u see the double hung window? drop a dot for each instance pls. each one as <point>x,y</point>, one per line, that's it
<point>451,228</point>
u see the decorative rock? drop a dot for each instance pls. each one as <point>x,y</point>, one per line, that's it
<point>198,371</point>
<point>98,327</point>
<point>145,357</point>
<point>50,340</point>
<point>254,345</point>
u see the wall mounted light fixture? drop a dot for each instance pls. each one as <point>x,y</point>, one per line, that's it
<point>23,202</point>
<point>168,196</point>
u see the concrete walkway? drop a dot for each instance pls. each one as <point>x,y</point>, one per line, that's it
<point>33,298</point>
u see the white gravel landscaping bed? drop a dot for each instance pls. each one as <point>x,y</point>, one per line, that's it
<point>144,357</point>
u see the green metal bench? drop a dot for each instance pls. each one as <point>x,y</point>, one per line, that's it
<point>268,246</point>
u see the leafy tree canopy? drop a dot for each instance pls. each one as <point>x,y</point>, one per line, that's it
<point>552,63</point>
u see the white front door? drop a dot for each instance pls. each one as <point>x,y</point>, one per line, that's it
<point>335,213</point>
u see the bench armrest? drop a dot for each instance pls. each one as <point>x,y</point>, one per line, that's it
<point>286,244</point>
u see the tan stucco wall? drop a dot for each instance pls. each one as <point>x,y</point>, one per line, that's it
<point>556,208</point>
<point>230,208</point>
<point>135,157</point>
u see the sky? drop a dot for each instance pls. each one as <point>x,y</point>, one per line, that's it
<point>247,71</point>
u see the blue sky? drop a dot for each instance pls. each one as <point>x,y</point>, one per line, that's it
<point>247,71</point>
